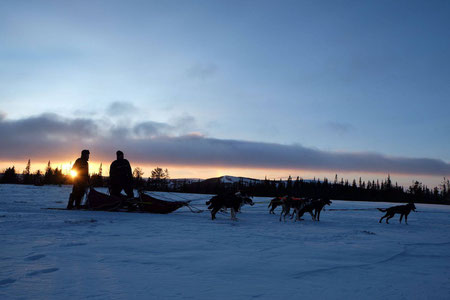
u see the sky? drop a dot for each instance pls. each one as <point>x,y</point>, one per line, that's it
<point>208,88</point>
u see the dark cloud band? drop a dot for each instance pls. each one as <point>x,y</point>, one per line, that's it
<point>52,137</point>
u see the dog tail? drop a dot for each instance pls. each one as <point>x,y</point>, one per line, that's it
<point>382,209</point>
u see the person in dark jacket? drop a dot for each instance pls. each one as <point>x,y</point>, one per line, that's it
<point>120,176</point>
<point>81,180</point>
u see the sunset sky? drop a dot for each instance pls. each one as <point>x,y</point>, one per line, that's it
<point>245,88</point>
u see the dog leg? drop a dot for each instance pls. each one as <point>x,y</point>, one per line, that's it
<point>299,216</point>
<point>213,213</point>
<point>233,214</point>
<point>286,213</point>
<point>406,219</point>
<point>401,217</point>
<point>293,214</point>
<point>383,217</point>
<point>389,217</point>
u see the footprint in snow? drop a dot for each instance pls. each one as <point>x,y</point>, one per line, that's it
<point>35,257</point>
<point>368,232</point>
<point>73,244</point>
<point>43,271</point>
<point>7,281</point>
<point>80,222</point>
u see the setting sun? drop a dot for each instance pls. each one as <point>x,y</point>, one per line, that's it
<point>73,173</point>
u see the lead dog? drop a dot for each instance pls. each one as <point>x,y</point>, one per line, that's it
<point>232,201</point>
<point>403,210</point>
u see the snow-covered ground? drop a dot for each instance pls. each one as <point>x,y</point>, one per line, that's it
<point>51,254</point>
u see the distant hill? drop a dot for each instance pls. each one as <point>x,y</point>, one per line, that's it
<point>222,183</point>
<point>230,180</point>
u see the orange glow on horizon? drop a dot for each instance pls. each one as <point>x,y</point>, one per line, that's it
<point>204,172</point>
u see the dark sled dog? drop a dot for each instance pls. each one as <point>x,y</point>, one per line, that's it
<point>291,202</point>
<point>232,201</point>
<point>274,203</point>
<point>314,207</point>
<point>403,210</point>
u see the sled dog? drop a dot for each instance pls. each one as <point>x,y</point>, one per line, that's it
<point>274,203</point>
<point>291,202</point>
<point>403,210</point>
<point>314,207</point>
<point>232,201</point>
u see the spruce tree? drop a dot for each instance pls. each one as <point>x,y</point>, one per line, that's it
<point>48,174</point>
<point>27,173</point>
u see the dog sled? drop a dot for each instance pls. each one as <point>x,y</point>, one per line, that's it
<point>144,203</point>
<point>156,206</point>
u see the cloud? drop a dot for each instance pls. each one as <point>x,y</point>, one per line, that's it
<point>197,150</point>
<point>151,129</point>
<point>52,137</point>
<point>184,124</point>
<point>43,135</point>
<point>47,126</point>
<point>119,108</point>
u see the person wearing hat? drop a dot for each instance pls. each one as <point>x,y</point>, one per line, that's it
<point>120,176</point>
<point>80,171</point>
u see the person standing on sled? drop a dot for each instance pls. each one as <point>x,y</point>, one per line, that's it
<point>80,181</point>
<point>120,176</point>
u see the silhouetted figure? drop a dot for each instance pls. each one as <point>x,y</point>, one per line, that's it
<point>81,180</point>
<point>120,176</point>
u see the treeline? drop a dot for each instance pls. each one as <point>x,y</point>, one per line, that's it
<point>55,176</point>
<point>51,176</point>
<point>384,191</point>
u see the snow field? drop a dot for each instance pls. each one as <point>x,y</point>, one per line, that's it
<point>52,254</point>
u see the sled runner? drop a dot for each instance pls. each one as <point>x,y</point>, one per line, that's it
<point>144,203</point>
